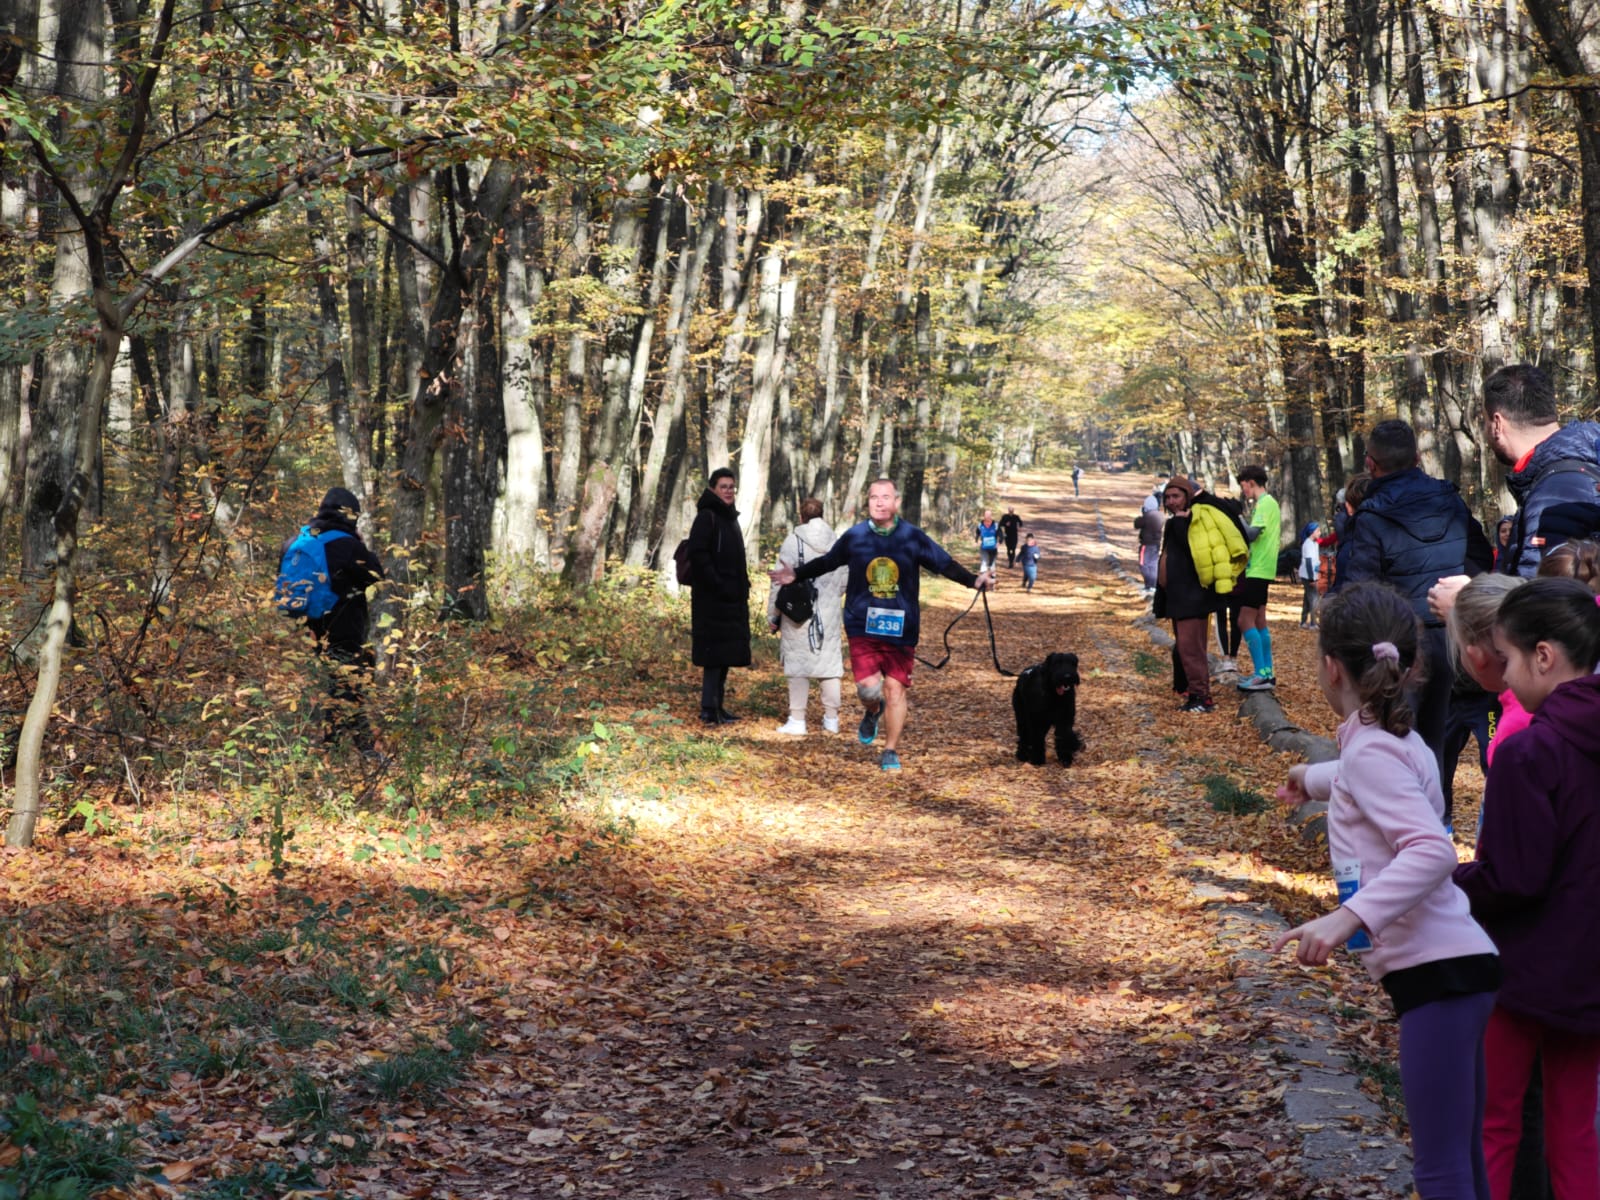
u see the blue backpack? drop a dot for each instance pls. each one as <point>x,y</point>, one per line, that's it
<point>303,588</point>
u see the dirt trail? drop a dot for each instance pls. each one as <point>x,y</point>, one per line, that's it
<point>972,978</point>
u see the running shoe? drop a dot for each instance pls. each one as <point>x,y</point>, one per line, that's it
<point>890,761</point>
<point>867,731</point>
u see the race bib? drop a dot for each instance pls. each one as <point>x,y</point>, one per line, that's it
<point>885,622</point>
<point>1347,877</point>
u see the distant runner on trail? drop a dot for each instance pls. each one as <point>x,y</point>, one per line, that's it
<point>1010,525</point>
<point>881,616</point>
<point>987,535</point>
<point>1077,474</point>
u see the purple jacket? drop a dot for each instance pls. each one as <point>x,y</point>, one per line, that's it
<point>1535,885</point>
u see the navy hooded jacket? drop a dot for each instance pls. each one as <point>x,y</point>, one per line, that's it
<point>1409,532</point>
<point>1553,506</point>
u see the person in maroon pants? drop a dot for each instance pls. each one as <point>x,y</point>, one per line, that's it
<point>1182,599</point>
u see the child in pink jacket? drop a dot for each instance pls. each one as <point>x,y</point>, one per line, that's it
<point>1398,908</point>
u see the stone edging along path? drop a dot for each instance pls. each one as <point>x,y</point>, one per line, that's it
<point>1261,708</point>
<point>1336,1119</point>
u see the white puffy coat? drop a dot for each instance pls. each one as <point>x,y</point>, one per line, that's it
<point>815,538</point>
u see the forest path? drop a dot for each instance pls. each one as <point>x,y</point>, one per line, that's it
<point>972,978</point>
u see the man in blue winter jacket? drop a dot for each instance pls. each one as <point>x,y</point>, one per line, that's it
<point>1553,468</point>
<point>1409,531</point>
<point>885,556</point>
<point>1553,473</point>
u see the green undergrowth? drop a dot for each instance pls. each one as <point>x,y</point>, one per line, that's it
<point>330,1015</point>
<point>517,716</point>
<point>1227,796</point>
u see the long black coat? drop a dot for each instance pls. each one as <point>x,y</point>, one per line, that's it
<point>1181,596</point>
<point>719,604</point>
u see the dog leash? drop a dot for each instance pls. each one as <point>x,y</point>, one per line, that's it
<point>988,616</point>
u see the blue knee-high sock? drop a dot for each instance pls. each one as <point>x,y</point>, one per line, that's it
<point>1264,641</point>
<point>1252,639</point>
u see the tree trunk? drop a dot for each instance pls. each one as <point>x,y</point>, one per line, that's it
<point>330,346</point>
<point>521,539</point>
<point>58,621</point>
<point>473,461</point>
<point>662,219</point>
<point>586,565</point>
<point>1570,31</point>
<point>571,452</point>
<point>775,307</point>
<point>441,362</point>
<point>668,424</point>
<point>730,369</point>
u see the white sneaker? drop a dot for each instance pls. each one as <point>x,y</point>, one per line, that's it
<point>830,724</point>
<point>1225,665</point>
<point>797,728</point>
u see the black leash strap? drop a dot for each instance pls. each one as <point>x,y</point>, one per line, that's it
<point>988,618</point>
<point>993,652</point>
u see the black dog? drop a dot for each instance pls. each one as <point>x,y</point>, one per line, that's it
<point>1046,695</point>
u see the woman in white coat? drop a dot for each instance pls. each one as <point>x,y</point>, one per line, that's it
<point>811,649</point>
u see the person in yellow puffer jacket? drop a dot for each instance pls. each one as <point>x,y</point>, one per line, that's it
<point>1218,545</point>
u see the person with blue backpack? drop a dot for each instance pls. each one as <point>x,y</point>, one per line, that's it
<point>324,572</point>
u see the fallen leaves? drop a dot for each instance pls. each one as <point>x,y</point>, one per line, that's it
<point>975,979</point>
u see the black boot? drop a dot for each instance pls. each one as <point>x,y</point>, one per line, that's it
<point>709,716</point>
<point>724,717</point>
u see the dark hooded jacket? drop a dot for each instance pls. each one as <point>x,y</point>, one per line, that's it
<point>1556,499</point>
<point>719,602</point>
<point>1534,882</point>
<point>1180,596</point>
<point>1411,531</point>
<point>352,569</point>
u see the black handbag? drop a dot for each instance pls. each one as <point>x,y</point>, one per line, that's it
<point>798,600</point>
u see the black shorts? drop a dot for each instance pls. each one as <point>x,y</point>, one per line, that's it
<point>1250,593</point>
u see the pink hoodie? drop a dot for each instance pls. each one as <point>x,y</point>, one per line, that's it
<point>1513,719</point>
<point>1386,815</point>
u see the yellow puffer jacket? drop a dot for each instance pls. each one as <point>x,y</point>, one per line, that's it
<point>1219,549</point>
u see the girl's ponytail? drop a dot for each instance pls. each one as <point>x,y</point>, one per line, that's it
<point>1375,636</point>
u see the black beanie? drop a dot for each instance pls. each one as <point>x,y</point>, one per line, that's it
<point>338,498</point>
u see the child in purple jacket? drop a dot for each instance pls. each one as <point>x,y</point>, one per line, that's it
<point>1392,861</point>
<point>1535,885</point>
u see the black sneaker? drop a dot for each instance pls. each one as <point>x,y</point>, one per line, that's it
<point>867,731</point>
<point>1199,706</point>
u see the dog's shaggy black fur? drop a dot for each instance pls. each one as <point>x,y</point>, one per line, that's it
<point>1047,695</point>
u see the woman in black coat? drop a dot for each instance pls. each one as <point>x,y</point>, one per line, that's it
<point>720,597</point>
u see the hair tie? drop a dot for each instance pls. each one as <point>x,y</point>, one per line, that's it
<point>1385,651</point>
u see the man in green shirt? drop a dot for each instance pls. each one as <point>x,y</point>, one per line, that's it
<point>1259,572</point>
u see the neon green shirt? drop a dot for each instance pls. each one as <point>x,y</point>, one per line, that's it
<point>1268,517</point>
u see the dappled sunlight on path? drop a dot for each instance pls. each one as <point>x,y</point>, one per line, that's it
<point>800,975</point>
<point>972,978</point>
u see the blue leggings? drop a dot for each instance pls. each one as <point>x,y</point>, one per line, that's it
<point>1442,1075</point>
